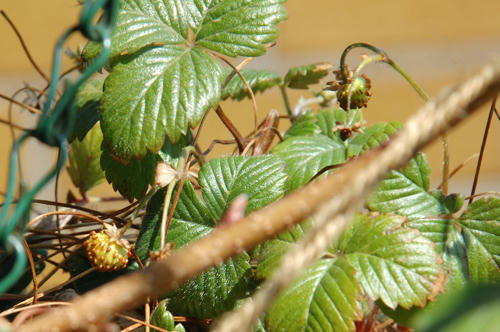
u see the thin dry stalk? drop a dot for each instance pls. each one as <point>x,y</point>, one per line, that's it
<point>25,48</point>
<point>33,269</point>
<point>350,183</point>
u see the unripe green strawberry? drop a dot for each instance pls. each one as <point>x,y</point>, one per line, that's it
<point>106,251</point>
<point>360,93</point>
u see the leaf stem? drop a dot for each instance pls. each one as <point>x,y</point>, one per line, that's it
<point>229,125</point>
<point>481,151</point>
<point>182,164</point>
<point>25,48</point>
<point>286,101</point>
<point>166,203</point>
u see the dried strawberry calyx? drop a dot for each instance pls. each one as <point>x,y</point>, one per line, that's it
<point>106,250</point>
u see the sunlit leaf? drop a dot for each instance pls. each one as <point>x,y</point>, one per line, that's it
<point>393,263</point>
<point>303,76</point>
<point>405,191</point>
<point>324,298</point>
<point>163,77</point>
<point>259,81</point>
<point>305,156</point>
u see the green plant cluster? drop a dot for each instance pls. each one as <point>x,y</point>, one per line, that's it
<point>410,244</point>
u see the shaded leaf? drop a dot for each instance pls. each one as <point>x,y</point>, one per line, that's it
<point>303,76</point>
<point>304,126</point>
<point>480,225</point>
<point>394,263</point>
<point>191,220</point>
<point>133,178</point>
<point>259,81</point>
<point>468,246</point>
<point>84,160</point>
<point>324,298</point>
<point>404,191</point>
<point>87,104</point>
<point>305,156</point>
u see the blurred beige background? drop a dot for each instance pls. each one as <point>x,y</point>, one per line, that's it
<point>437,42</point>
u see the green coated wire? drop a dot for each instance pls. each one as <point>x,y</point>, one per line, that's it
<point>53,127</point>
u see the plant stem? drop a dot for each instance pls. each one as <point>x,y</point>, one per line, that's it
<point>286,101</point>
<point>182,166</point>
<point>229,125</point>
<point>166,204</point>
<point>481,151</point>
<point>446,164</point>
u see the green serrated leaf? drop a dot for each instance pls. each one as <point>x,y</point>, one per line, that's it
<point>84,160</point>
<point>324,298</point>
<point>133,178</point>
<point>191,220</point>
<point>305,156</point>
<point>450,245</point>
<point>222,180</point>
<point>259,81</point>
<point>372,137</point>
<point>214,291</point>
<point>393,263</point>
<point>322,123</point>
<point>303,76</point>
<point>304,126</point>
<point>404,192</point>
<point>160,92</point>
<point>87,104</point>
<point>481,230</point>
<point>241,27</point>
<point>468,246</point>
<point>163,78</point>
<point>260,178</point>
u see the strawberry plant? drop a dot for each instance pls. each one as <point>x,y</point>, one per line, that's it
<point>394,267</point>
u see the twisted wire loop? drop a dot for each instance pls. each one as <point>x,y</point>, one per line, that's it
<point>53,128</point>
<point>331,219</point>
